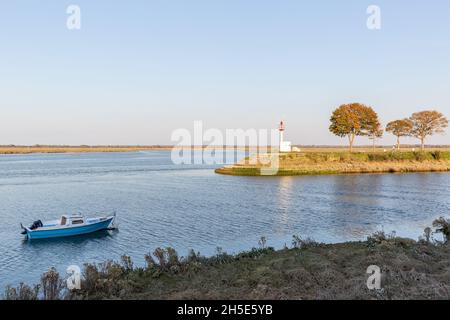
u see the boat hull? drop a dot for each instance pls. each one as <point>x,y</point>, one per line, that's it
<point>71,231</point>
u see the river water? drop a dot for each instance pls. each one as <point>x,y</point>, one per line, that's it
<point>161,204</point>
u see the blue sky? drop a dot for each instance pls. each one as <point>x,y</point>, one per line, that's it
<point>137,70</point>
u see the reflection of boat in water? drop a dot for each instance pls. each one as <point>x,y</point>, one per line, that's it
<point>68,226</point>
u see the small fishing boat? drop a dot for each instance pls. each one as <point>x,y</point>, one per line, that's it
<point>67,226</point>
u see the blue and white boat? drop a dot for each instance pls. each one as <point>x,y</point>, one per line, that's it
<point>68,226</point>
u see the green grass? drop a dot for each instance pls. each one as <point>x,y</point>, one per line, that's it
<point>370,156</point>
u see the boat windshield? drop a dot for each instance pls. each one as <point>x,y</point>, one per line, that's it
<point>63,220</point>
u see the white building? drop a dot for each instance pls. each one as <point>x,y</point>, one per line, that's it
<point>285,146</point>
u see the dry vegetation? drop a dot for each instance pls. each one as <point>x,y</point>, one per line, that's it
<point>75,149</point>
<point>86,149</point>
<point>307,270</point>
<point>368,149</point>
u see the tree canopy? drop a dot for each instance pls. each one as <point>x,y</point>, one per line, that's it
<point>374,129</point>
<point>400,128</point>
<point>355,119</point>
<point>427,123</point>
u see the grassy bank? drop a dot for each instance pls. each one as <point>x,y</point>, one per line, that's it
<point>306,270</point>
<point>341,162</point>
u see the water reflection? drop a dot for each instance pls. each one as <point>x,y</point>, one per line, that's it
<point>356,201</point>
<point>284,199</point>
<point>73,240</point>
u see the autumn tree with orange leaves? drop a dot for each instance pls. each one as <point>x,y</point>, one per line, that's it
<point>400,128</point>
<point>354,119</point>
<point>427,123</point>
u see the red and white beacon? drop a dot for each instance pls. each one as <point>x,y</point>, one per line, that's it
<point>285,146</point>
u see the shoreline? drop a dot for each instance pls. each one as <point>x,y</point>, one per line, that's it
<point>336,163</point>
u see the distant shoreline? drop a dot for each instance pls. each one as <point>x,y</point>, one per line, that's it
<point>4,150</point>
<point>13,149</point>
<point>77,149</point>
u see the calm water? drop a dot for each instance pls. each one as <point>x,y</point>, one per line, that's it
<point>161,204</point>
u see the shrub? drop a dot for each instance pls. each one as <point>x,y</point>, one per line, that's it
<point>192,262</point>
<point>172,257</point>
<point>427,233</point>
<point>127,264</point>
<point>221,257</point>
<point>420,156</point>
<point>160,255</point>
<point>150,261</point>
<point>52,285</point>
<point>167,260</point>
<point>379,237</point>
<point>22,292</point>
<point>440,155</point>
<point>104,279</point>
<point>437,155</point>
<point>193,256</point>
<point>443,226</point>
<point>262,242</point>
<point>298,242</point>
<point>254,253</point>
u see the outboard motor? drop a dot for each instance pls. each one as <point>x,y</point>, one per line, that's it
<point>36,224</point>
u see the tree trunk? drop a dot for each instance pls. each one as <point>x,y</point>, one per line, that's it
<point>351,139</point>
<point>423,144</point>
<point>398,142</point>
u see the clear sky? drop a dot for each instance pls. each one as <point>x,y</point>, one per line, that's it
<point>137,70</point>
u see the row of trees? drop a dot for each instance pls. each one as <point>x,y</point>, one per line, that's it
<point>356,119</point>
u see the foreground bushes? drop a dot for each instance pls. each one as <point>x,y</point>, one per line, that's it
<point>305,270</point>
<point>50,288</point>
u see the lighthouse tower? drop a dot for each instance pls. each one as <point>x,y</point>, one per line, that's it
<point>281,128</point>
<point>285,146</point>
